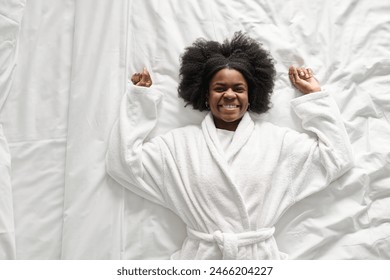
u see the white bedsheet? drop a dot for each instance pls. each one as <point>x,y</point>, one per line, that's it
<point>10,17</point>
<point>64,66</point>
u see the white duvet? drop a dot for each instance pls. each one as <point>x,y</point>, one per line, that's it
<point>64,66</point>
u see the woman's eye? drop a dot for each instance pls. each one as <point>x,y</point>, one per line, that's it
<point>239,90</point>
<point>219,89</point>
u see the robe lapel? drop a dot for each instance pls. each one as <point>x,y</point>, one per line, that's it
<point>241,136</point>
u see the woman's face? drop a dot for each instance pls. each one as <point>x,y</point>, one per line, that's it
<point>228,98</point>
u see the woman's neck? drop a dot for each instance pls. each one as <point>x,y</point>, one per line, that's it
<point>231,126</point>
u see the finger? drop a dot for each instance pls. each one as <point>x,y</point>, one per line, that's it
<point>295,75</point>
<point>291,74</point>
<point>302,73</point>
<point>145,71</point>
<point>306,73</point>
<point>144,83</point>
<point>145,75</point>
<point>310,72</point>
<point>145,78</point>
<point>135,78</point>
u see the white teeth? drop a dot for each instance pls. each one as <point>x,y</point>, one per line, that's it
<point>230,106</point>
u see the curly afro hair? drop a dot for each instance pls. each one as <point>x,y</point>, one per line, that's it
<point>203,59</point>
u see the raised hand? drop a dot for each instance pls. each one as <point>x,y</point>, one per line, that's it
<point>303,79</point>
<point>142,79</point>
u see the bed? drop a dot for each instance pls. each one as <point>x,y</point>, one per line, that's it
<point>64,66</point>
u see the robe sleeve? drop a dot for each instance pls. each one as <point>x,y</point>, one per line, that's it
<point>317,160</point>
<point>131,160</point>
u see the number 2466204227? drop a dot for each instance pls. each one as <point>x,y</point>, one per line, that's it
<point>241,270</point>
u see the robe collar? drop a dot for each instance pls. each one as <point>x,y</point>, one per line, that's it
<point>241,135</point>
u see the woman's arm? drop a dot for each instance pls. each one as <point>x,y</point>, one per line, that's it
<point>315,161</point>
<point>131,161</point>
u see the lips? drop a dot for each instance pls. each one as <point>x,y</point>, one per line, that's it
<point>229,106</point>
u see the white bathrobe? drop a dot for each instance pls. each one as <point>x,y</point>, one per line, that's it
<point>229,200</point>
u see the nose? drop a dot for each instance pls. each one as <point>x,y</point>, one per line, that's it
<point>229,94</point>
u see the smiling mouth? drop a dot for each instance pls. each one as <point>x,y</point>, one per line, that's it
<point>229,106</point>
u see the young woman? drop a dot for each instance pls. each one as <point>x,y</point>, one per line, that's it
<point>229,178</point>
